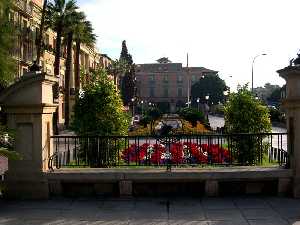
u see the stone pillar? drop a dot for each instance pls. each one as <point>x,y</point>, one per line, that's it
<point>291,105</point>
<point>29,107</point>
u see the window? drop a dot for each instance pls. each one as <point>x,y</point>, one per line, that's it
<point>179,92</point>
<point>151,78</point>
<point>151,93</point>
<point>179,79</point>
<point>166,79</point>
<point>166,92</point>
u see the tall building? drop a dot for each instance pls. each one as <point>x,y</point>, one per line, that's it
<point>166,83</point>
<point>26,15</point>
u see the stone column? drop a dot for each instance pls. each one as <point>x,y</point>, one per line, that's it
<point>291,105</point>
<point>29,107</point>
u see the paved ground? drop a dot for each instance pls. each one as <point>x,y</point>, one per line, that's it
<point>160,211</point>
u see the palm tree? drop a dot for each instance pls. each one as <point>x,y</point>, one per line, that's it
<point>83,34</point>
<point>71,22</point>
<point>117,68</point>
<point>40,37</point>
<point>56,18</point>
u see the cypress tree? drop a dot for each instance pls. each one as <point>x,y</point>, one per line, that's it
<point>128,80</point>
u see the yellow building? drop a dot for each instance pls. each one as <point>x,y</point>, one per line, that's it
<point>27,16</point>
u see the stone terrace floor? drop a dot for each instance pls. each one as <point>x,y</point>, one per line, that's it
<point>156,211</point>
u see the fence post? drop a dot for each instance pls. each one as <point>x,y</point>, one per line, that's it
<point>291,105</point>
<point>29,106</point>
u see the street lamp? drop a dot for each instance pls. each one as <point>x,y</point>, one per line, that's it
<point>253,66</point>
<point>132,100</point>
<point>198,101</point>
<point>142,102</point>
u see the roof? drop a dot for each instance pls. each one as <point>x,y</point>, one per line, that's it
<point>106,56</point>
<point>200,69</point>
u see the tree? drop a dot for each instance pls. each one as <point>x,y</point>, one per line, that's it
<point>99,111</point>
<point>71,22</point>
<point>265,92</point>
<point>83,34</point>
<point>7,38</point>
<point>275,96</point>
<point>40,35</point>
<point>117,68</point>
<point>211,85</point>
<point>128,80</point>
<point>125,55</point>
<point>245,114</point>
<point>56,17</point>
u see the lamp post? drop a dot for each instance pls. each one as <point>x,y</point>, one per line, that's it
<point>206,106</point>
<point>142,102</point>
<point>198,102</point>
<point>132,101</point>
<point>225,93</point>
<point>253,66</point>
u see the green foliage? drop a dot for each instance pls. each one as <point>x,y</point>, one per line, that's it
<point>265,92</point>
<point>192,115</point>
<point>276,115</point>
<point>164,107</point>
<point>211,85</point>
<point>145,120</point>
<point>245,114</point>
<point>128,80</point>
<point>7,143</point>
<point>99,110</point>
<point>275,97</point>
<point>7,38</point>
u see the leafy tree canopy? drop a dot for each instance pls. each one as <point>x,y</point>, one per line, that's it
<point>99,109</point>
<point>211,85</point>
<point>245,114</point>
<point>7,37</point>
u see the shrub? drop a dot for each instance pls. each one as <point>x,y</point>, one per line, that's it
<point>99,111</point>
<point>192,115</point>
<point>245,114</point>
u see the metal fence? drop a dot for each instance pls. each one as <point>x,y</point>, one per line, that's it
<point>177,150</point>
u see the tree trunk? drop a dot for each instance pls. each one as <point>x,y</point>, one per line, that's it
<point>57,52</point>
<point>67,78</point>
<point>77,67</point>
<point>40,38</point>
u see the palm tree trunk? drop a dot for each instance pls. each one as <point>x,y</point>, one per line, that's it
<point>40,38</point>
<point>77,67</point>
<point>67,78</point>
<point>57,52</point>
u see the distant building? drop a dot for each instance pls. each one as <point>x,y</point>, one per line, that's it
<point>166,83</point>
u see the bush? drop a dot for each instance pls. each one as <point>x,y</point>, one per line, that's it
<point>99,111</point>
<point>193,116</point>
<point>245,114</point>
<point>276,115</point>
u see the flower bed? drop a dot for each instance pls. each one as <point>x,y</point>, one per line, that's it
<point>179,153</point>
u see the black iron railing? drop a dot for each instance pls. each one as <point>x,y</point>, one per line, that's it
<point>180,151</point>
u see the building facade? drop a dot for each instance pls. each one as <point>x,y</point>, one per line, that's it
<point>26,15</point>
<point>166,83</point>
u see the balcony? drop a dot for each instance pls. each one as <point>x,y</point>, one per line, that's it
<point>24,8</point>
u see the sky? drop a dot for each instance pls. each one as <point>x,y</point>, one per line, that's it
<point>222,35</point>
